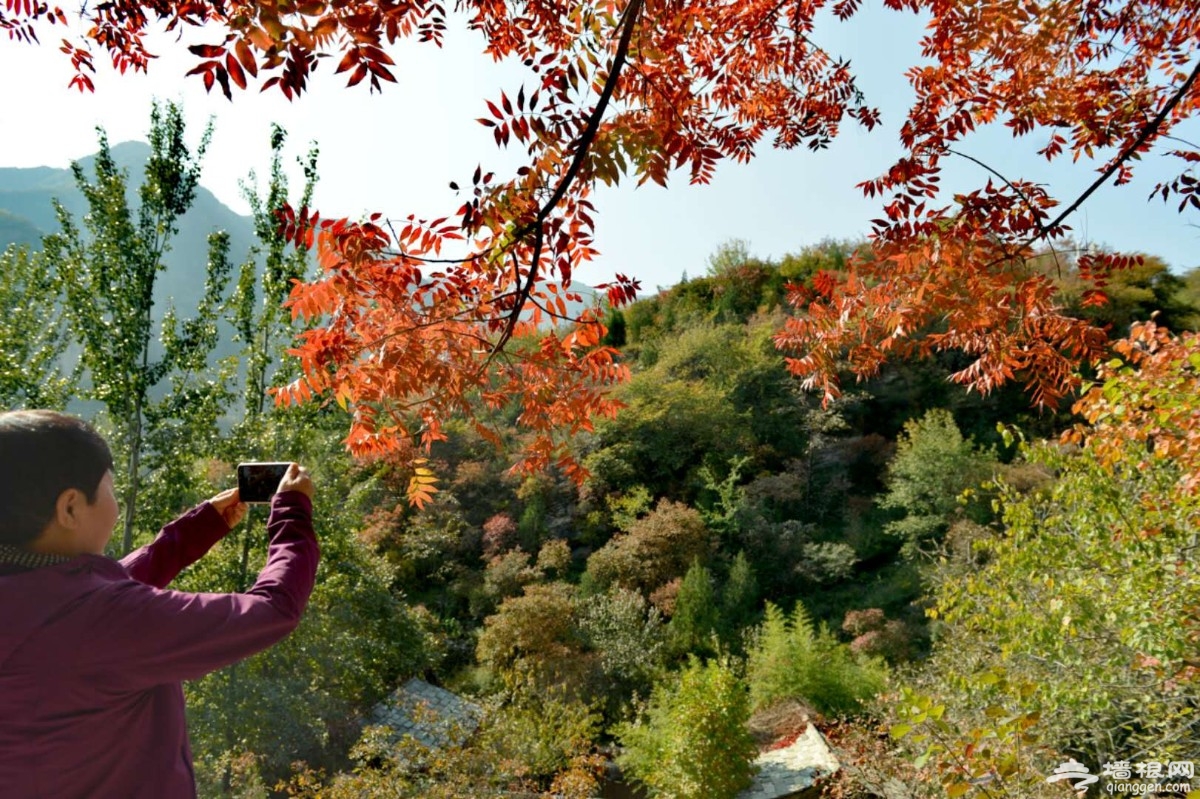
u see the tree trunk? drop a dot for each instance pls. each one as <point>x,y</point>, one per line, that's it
<point>132,476</point>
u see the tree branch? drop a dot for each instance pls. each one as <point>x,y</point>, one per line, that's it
<point>1142,138</point>
<point>583,144</point>
<point>1042,231</point>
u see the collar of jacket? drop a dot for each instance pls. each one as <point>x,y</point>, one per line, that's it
<point>23,558</point>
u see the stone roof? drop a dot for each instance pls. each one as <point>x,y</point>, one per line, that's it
<point>432,716</point>
<point>789,771</point>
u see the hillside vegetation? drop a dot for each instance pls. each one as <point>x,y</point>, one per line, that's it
<point>960,598</point>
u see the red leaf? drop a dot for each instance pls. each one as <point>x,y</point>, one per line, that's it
<point>246,57</point>
<point>207,50</point>
<point>348,60</point>
<point>359,74</point>
<point>235,71</point>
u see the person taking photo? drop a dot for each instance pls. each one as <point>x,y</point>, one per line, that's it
<point>93,650</point>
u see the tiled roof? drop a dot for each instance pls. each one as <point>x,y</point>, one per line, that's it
<point>432,716</point>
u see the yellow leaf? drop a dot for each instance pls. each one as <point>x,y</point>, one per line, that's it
<point>957,789</point>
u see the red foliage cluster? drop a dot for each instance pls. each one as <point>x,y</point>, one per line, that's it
<point>1146,398</point>
<point>1112,78</point>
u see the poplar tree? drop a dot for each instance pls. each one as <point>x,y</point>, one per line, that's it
<point>148,371</point>
<point>33,337</point>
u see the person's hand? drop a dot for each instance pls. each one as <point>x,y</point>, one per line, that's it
<point>297,479</point>
<point>229,506</point>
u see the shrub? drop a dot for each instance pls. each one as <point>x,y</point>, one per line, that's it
<point>1096,569</point>
<point>790,660</point>
<point>629,636</point>
<point>933,467</point>
<point>535,630</point>
<point>658,548</point>
<point>877,636</point>
<point>540,734</point>
<point>692,740</point>
<point>826,562</point>
<point>499,535</point>
<point>505,575</point>
<point>858,622</point>
<point>555,557</point>
<point>665,596</point>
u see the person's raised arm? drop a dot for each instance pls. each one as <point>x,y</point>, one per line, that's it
<point>184,541</point>
<point>145,636</point>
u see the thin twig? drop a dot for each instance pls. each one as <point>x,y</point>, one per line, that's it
<point>1028,204</point>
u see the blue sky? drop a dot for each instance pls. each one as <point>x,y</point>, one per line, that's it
<point>396,152</point>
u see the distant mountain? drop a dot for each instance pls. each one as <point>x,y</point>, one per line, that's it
<point>18,230</point>
<point>27,213</point>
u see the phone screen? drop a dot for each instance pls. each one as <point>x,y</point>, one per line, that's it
<point>258,482</point>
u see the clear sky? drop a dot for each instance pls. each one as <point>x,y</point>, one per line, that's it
<point>396,152</point>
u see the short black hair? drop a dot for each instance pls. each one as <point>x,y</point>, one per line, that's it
<point>42,454</point>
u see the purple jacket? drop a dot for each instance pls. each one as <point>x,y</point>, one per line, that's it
<point>92,652</point>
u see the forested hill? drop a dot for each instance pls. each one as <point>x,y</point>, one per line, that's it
<point>739,289</point>
<point>739,552</point>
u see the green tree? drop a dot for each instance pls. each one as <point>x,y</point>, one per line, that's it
<point>109,273</point>
<point>615,322</point>
<point>33,338</point>
<point>728,257</point>
<point>1132,294</point>
<point>1189,294</point>
<point>532,634</point>
<point>629,635</point>
<point>262,323</point>
<point>828,255</point>
<point>1092,572</point>
<point>739,598</point>
<point>531,528</point>
<point>683,413</point>
<point>263,326</point>
<point>693,740</point>
<point>790,659</point>
<point>697,615</point>
<point>927,479</point>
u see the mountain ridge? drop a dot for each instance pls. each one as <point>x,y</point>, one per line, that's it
<point>27,213</point>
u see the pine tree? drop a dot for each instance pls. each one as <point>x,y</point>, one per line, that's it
<point>739,598</point>
<point>696,618</point>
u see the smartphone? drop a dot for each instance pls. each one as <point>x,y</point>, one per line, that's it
<point>258,482</point>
